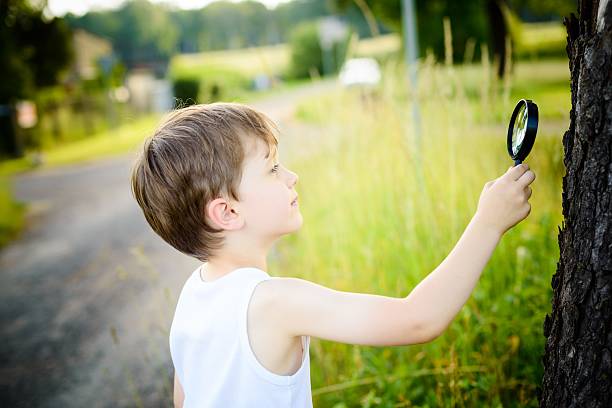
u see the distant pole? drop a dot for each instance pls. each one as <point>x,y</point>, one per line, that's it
<point>411,53</point>
<point>326,52</point>
<point>410,38</point>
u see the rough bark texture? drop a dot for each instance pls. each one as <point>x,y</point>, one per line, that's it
<point>577,359</point>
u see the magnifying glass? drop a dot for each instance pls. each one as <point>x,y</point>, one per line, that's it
<point>522,130</point>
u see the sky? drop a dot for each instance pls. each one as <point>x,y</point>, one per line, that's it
<point>79,7</point>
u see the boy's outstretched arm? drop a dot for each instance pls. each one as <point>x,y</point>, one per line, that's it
<point>299,307</point>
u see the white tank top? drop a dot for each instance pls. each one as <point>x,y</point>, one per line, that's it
<point>211,353</point>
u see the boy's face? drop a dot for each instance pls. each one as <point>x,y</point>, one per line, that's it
<point>267,189</point>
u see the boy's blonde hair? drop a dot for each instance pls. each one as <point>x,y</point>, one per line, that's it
<point>193,157</point>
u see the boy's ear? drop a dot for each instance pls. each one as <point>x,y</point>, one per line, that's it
<point>223,215</point>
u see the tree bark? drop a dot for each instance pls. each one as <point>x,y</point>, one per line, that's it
<point>578,353</point>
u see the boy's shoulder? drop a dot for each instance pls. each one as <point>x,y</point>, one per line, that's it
<point>286,308</point>
<point>284,302</point>
<point>271,292</point>
<point>271,297</point>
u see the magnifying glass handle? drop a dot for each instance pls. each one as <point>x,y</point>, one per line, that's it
<point>517,162</point>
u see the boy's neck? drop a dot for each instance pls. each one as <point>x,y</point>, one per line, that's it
<point>238,252</point>
<point>217,267</point>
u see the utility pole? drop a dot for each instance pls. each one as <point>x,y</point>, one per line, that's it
<point>411,53</point>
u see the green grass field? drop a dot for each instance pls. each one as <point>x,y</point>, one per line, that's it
<point>378,220</point>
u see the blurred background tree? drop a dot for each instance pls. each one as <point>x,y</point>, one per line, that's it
<point>474,22</point>
<point>139,31</point>
<point>307,54</point>
<point>34,50</point>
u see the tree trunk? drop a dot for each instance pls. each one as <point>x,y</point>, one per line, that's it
<point>10,140</point>
<point>499,30</point>
<point>578,353</point>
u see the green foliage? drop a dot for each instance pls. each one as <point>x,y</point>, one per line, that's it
<point>138,30</point>
<point>186,91</point>
<point>469,22</point>
<point>533,40</point>
<point>11,213</point>
<point>223,25</point>
<point>219,25</point>
<point>305,51</point>
<point>68,114</point>
<point>216,82</point>
<point>146,32</point>
<point>34,52</point>
<point>530,9</point>
<point>307,55</point>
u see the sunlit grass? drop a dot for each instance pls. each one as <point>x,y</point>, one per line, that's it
<point>378,220</point>
<point>542,36</point>
<point>270,60</point>
<point>381,45</point>
<point>11,214</point>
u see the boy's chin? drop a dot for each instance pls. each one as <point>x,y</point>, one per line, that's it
<point>295,225</point>
<point>301,221</point>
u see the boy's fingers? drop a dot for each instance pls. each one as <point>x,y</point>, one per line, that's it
<point>516,172</point>
<point>526,178</point>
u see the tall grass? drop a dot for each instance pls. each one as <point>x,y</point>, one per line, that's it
<point>384,206</point>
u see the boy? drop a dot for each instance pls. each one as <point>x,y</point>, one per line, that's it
<point>210,183</point>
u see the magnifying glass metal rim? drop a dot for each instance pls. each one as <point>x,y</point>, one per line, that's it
<point>530,130</point>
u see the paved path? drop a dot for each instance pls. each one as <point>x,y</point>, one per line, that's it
<point>88,291</point>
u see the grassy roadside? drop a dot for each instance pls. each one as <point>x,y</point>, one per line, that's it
<point>377,220</point>
<point>101,145</point>
<point>11,214</point>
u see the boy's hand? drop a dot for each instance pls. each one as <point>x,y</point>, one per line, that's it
<point>504,201</point>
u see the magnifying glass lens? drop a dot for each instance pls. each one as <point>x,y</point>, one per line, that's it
<point>522,130</point>
<point>518,132</point>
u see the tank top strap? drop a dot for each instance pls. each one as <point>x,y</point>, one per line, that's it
<point>247,287</point>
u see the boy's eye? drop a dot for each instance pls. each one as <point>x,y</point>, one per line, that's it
<point>275,168</point>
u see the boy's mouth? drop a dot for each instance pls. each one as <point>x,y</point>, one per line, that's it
<point>294,202</point>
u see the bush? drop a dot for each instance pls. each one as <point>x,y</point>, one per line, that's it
<point>306,53</point>
<point>186,91</point>
<point>216,80</point>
